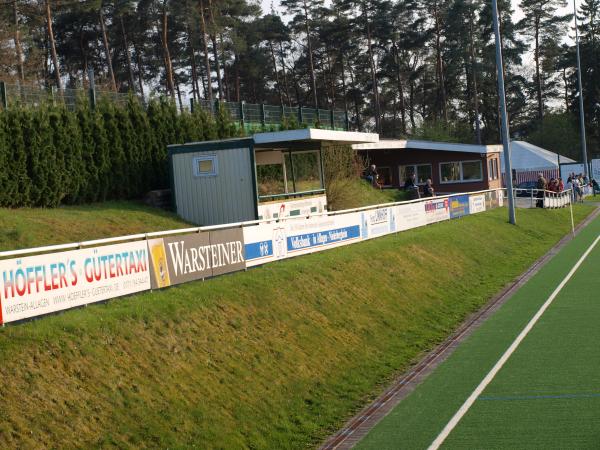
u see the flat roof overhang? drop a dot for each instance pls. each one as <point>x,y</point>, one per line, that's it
<point>311,138</point>
<point>409,144</point>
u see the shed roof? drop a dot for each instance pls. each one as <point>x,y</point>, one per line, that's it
<point>526,156</point>
<point>411,144</point>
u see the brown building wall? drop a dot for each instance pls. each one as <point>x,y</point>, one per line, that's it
<point>394,158</point>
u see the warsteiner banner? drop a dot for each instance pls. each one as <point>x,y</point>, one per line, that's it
<point>189,257</point>
<point>37,285</point>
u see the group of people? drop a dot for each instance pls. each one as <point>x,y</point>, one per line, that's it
<point>411,185</point>
<point>575,183</point>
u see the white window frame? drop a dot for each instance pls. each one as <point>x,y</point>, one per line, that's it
<point>416,172</point>
<point>215,166</point>
<point>492,169</point>
<point>460,170</point>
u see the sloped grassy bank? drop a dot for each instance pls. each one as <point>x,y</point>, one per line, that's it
<point>275,357</point>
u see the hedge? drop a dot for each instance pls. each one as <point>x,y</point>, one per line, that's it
<point>50,155</point>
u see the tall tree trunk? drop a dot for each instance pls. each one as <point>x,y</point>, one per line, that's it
<point>166,53</point>
<point>411,111</point>
<point>276,72</point>
<point>53,45</point>
<point>206,57</point>
<point>178,94</point>
<point>83,55</point>
<point>285,80</point>
<point>331,78</point>
<point>213,38</point>
<point>538,75</point>
<point>311,67</point>
<point>128,55</point>
<point>225,76</point>
<point>111,73</point>
<point>439,64</point>
<point>355,91</point>
<point>400,89</point>
<point>237,79</point>
<point>377,108</point>
<point>474,75</point>
<point>138,62</point>
<point>17,39</point>
<point>566,83</point>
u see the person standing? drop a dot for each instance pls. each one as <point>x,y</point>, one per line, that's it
<point>541,187</point>
<point>428,189</point>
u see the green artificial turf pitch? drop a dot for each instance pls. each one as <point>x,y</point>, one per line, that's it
<point>547,395</point>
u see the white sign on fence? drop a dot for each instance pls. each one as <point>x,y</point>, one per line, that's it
<point>37,285</point>
<point>476,203</point>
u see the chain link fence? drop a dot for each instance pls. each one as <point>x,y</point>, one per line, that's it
<point>250,116</point>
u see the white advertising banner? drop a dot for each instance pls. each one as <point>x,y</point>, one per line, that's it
<point>37,285</point>
<point>568,169</point>
<point>596,169</point>
<point>305,206</point>
<point>377,222</point>
<point>409,216</point>
<point>268,242</point>
<point>437,210</point>
<point>476,203</point>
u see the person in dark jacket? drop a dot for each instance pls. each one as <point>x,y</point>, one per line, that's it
<point>411,187</point>
<point>428,189</point>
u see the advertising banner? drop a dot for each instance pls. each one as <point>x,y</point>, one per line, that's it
<point>318,233</point>
<point>37,285</point>
<point>268,242</point>
<point>567,169</point>
<point>377,222</point>
<point>459,206</point>
<point>291,208</point>
<point>437,210</point>
<point>595,173</point>
<point>409,216</point>
<point>189,257</point>
<point>476,203</point>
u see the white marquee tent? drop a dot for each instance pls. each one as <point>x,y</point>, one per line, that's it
<point>529,157</point>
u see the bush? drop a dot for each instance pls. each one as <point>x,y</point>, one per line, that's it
<point>50,155</point>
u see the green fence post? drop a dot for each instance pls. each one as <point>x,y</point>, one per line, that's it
<point>263,116</point>
<point>332,119</point>
<point>242,116</point>
<point>216,107</point>
<point>3,96</point>
<point>300,118</point>
<point>347,120</point>
<point>192,105</point>
<point>92,89</point>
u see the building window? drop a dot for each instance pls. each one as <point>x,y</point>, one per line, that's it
<point>493,169</point>
<point>449,172</point>
<point>206,166</point>
<point>461,172</point>
<point>385,176</point>
<point>422,172</point>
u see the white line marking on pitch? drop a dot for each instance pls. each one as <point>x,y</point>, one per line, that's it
<point>439,440</point>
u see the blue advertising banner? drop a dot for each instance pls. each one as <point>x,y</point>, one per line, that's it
<point>459,206</point>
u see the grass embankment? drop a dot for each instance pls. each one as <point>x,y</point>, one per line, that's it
<point>354,193</point>
<point>275,357</point>
<point>32,227</point>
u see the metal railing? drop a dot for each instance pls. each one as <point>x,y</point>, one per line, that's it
<point>248,115</point>
<point>542,198</point>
